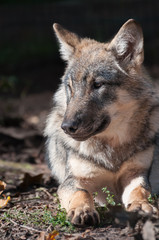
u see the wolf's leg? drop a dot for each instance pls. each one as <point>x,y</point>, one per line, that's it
<point>78,203</point>
<point>133,184</point>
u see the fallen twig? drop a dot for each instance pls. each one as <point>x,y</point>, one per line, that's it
<point>47,193</point>
<point>25,200</point>
<point>24,226</point>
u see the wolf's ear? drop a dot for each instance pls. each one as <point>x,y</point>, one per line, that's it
<point>127,45</point>
<point>68,41</point>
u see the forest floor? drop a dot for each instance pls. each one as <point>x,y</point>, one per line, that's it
<point>33,211</point>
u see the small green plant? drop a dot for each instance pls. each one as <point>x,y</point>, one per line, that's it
<point>60,219</point>
<point>104,211</point>
<point>109,197</point>
<point>152,198</point>
<point>105,216</point>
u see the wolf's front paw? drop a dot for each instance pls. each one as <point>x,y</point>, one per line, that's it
<point>83,215</point>
<point>142,205</point>
<point>81,209</point>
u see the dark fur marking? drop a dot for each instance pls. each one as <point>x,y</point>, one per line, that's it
<point>69,183</point>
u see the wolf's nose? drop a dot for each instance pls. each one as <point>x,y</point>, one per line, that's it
<point>69,127</point>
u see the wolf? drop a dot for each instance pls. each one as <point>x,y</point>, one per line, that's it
<point>103,128</point>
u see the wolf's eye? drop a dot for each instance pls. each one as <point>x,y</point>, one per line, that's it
<point>97,85</point>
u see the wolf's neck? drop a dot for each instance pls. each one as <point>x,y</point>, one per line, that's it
<point>127,134</point>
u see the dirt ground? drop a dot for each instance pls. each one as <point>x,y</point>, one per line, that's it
<point>33,211</point>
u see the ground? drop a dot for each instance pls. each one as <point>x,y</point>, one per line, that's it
<point>34,211</point>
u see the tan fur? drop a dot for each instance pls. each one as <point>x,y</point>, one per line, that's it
<point>80,198</point>
<point>139,194</point>
<point>118,131</point>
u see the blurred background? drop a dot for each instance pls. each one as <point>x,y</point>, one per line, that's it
<point>29,57</point>
<point>30,64</point>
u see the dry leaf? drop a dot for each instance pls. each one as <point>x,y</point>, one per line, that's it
<point>51,236</point>
<point>2,186</point>
<point>29,180</point>
<point>3,202</point>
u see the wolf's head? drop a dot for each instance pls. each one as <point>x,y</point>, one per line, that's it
<point>103,81</point>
